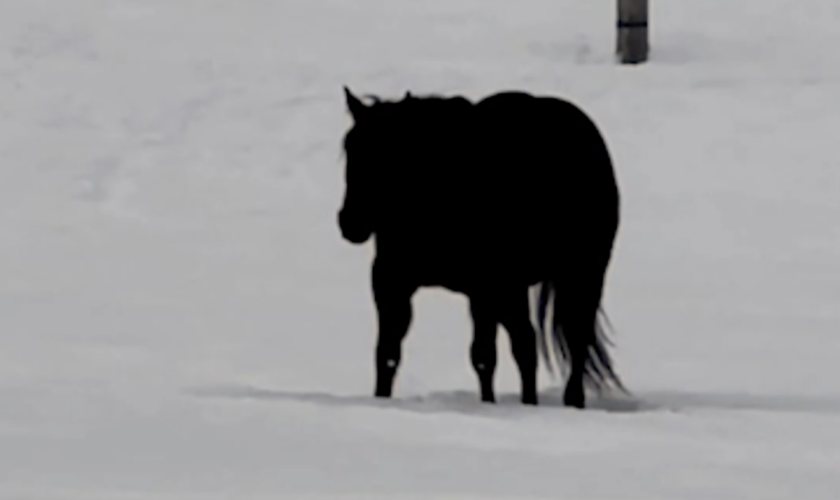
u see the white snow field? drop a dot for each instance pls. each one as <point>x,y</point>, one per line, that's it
<point>179,318</point>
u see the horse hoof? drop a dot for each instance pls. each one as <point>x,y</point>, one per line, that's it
<point>574,399</point>
<point>574,403</point>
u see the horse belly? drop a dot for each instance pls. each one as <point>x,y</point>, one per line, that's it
<point>471,267</point>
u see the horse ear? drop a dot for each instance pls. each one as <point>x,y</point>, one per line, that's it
<point>356,107</point>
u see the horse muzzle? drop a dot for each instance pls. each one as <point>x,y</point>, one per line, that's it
<point>353,231</point>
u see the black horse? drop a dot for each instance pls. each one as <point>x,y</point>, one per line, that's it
<point>487,199</point>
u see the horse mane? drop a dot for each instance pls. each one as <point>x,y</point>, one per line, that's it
<point>421,98</point>
<point>423,107</point>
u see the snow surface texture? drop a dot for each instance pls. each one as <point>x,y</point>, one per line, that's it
<point>179,318</point>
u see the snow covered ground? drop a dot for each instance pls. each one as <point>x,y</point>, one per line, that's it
<point>179,318</point>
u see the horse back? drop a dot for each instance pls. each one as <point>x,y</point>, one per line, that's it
<point>499,181</point>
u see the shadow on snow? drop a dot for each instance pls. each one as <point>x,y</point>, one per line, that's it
<point>466,402</point>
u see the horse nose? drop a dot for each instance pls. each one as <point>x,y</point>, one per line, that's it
<point>349,231</point>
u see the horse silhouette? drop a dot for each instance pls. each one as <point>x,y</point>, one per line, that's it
<point>487,199</point>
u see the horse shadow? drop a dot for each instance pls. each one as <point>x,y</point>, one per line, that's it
<point>454,401</point>
<point>508,405</point>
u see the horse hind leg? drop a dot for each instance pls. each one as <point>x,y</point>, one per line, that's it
<point>515,317</point>
<point>577,307</point>
<point>394,311</point>
<point>483,349</point>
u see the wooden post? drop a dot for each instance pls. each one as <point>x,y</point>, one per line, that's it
<point>632,43</point>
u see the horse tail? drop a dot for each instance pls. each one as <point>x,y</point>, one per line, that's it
<point>599,373</point>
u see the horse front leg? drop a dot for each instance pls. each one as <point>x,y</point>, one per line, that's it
<point>392,297</point>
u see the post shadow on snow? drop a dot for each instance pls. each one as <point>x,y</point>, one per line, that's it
<point>466,402</point>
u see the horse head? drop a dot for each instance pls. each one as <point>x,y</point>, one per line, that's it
<point>356,216</point>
